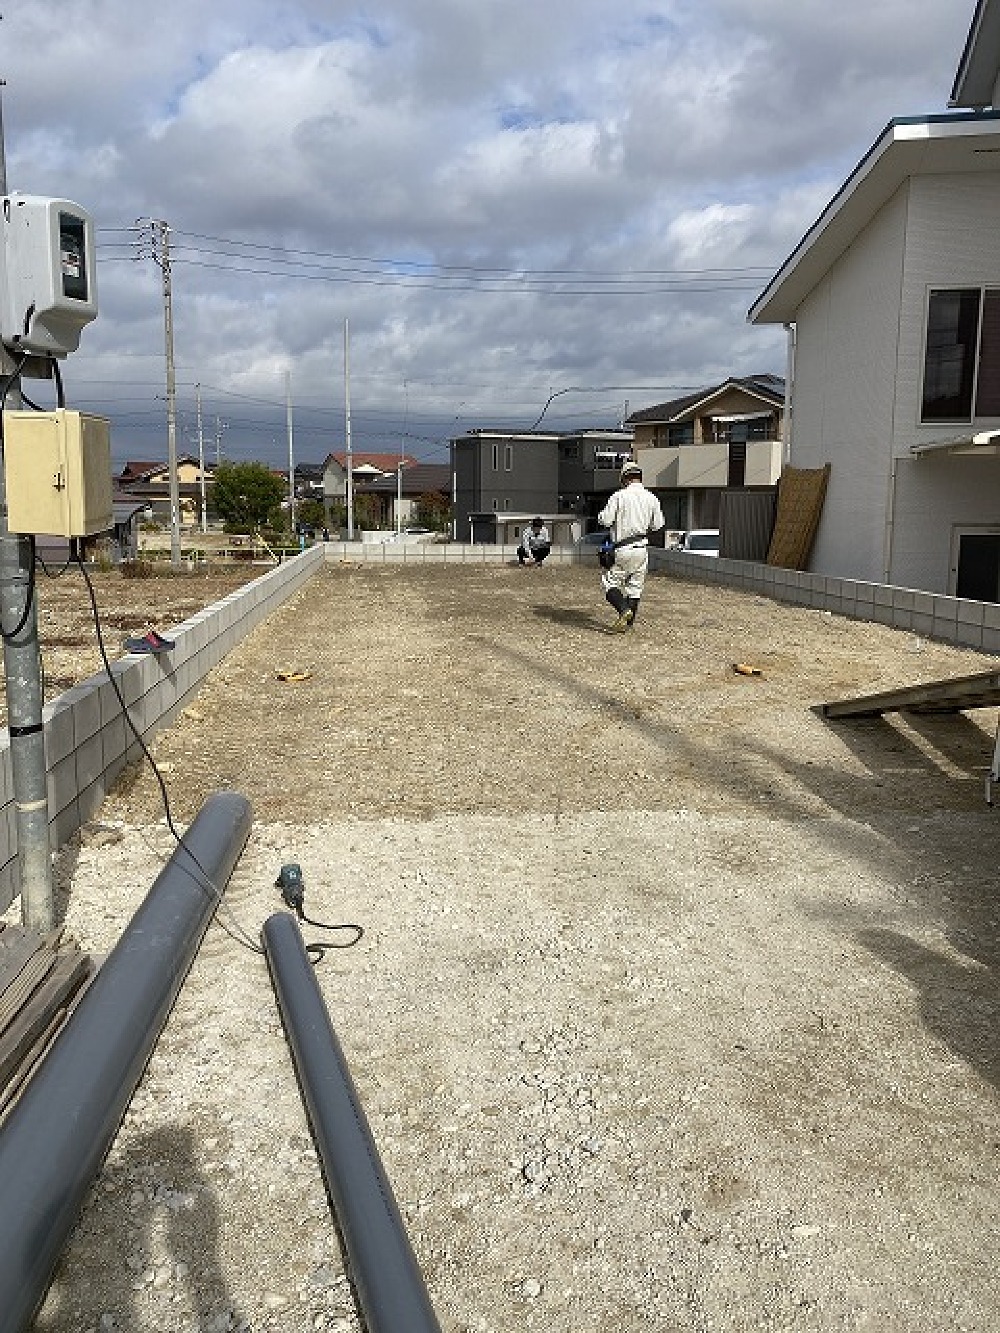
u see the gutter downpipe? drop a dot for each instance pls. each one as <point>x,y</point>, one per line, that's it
<point>890,522</point>
<point>387,1279</point>
<point>789,381</point>
<point>58,1134</point>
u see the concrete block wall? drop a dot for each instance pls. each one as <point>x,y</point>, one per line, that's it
<point>87,740</point>
<point>954,620</point>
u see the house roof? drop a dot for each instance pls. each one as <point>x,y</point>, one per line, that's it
<point>770,388</point>
<point>418,479</point>
<point>133,472</point>
<point>956,142</point>
<point>385,462</point>
<point>979,68</point>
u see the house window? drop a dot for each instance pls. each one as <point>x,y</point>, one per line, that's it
<point>962,355</point>
<point>569,449</point>
<point>682,433</point>
<point>508,458</point>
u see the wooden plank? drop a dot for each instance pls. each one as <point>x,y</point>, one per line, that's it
<point>17,944</point>
<point>939,696</point>
<point>64,979</point>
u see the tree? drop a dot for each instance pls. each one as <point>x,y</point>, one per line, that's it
<point>244,494</point>
<point>310,514</point>
<point>433,510</point>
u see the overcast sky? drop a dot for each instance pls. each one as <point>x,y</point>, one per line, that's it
<point>504,199</point>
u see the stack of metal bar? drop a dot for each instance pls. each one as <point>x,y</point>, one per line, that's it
<point>41,978</point>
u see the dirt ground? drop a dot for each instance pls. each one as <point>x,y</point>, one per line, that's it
<point>676,1007</point>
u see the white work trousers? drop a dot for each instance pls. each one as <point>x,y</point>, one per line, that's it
<point>628,573</point>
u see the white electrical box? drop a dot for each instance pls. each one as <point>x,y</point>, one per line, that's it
<point>58,473</point>
<point>48,281</point>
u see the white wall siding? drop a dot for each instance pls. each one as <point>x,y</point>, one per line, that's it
<point>934,496</point>
<point>845,387</point>
<point>953,240</point>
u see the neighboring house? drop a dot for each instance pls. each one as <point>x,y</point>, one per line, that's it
<point>501,476</point>
<point>398,493</point>
<point>365,466</point>
<point>694,448</point>
<point>892,300</point>
<point>149,483</point>
<point>309,480</point>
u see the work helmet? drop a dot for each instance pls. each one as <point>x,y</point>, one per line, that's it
<point>631,472</point>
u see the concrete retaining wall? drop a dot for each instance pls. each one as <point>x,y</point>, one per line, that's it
<point>87,741</point>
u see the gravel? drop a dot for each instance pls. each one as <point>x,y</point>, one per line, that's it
<point>676,1006</point>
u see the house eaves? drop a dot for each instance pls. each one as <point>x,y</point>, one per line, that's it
<point>977,82</point>
<point>929,146</point>
<point>693,403</point>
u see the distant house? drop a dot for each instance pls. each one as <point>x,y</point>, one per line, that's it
<point>398,493</point>
<point>893,302</point>
<point>149,483</point>
<point>501,476</point>
<point>725,437</point>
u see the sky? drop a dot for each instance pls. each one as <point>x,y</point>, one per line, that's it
<point>443,214</point>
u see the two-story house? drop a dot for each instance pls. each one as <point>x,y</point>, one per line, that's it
<point>502,479</point>
<point>892,301</point>
<point>726,437</point>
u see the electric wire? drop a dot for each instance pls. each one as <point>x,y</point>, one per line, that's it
<point>235,931</point>
<point>8,635</point>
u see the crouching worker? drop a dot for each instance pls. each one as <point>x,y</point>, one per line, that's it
<point>535,543</point>
<point>630,515</point>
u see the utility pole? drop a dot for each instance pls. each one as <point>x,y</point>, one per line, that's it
<point>347,431</point>
<point>291,451</point>
<point>161,254</point>
<point>201,460</point>
<point>23,675</point>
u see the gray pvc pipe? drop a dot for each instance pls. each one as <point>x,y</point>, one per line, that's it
<point>387,1279</point>
<point>58,1134</point>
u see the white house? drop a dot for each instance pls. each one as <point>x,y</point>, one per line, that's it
<point>892,302</point>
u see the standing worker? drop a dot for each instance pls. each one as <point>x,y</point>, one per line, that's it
<point>631,515</point>
<point>535,543</point>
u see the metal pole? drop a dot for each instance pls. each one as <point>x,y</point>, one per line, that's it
<point>387,1278</point>
<point>201,462</point>
<point>347,431</point>
<point>291,451</point>
<point>163,231</point>
<point>58,1134</point>
<point>23,675</point>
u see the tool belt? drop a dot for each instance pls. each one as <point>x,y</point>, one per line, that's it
<point>606,550</point>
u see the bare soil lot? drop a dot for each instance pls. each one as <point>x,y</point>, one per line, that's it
<point>676,1007</point>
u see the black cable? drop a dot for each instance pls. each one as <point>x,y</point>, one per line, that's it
<point>239,935</point>
<point>293,892</point>
<point>5,634</point>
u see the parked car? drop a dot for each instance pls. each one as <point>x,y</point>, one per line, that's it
<point>701,541</point>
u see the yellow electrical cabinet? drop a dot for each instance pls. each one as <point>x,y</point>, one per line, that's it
<point>57,468</point>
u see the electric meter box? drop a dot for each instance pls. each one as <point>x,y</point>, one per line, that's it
<point>58,473</point>
<point>48,281</point>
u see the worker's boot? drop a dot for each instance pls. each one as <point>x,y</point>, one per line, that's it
<point>617,599</point>
<point>633,606</point>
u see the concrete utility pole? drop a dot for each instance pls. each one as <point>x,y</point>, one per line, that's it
<point>347,432</point>
<point>201,460</point>
<point>23,674</point>
<point>291,451</point>
<point>161,253</point>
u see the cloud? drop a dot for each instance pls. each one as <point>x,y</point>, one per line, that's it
<point>473,186</point>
